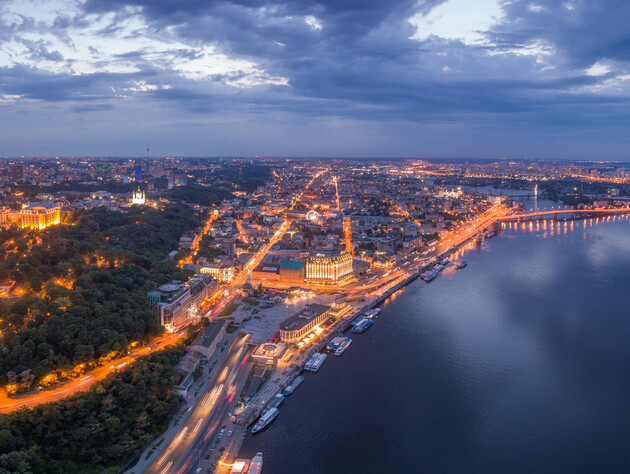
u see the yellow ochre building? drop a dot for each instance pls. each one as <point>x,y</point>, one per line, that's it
<point>39,215</point>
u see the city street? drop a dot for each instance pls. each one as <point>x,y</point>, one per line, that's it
<point>189,444</point>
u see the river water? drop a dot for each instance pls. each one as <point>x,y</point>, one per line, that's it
<point>518,363</point>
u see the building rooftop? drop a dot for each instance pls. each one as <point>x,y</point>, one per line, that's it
<point>301,319</point>
<point>292,265</point>
<point>326,253</point>
<point>207,337</point>
<point>42,204</point>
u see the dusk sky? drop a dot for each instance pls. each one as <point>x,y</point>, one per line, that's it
<point>340,78</point>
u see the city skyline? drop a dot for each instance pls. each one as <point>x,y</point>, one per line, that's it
<point>315,78</point>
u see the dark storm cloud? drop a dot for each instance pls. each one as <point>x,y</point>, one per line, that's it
<point>363,52</point>
<point>350,60</point>
<point>584,30</point>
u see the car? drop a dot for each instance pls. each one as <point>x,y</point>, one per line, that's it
<point>207,456</point>
<point>209,470</point>
<point>216,441</point>
<point>212,451</point>
<point>220,436</point>
<point>223,431</point>
<point>221,449</point>
<point>224,426</point>
<point>229,433</point>
<point>198,470</point>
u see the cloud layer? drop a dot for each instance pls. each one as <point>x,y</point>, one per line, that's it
<point>316,77</point>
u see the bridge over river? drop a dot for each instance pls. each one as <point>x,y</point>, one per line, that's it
<point>564,214</point>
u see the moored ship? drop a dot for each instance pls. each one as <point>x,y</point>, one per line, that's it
<point>429,275</point>
<point>311,360</point>
<point>267,417</point>
<point>295,383</point>
<point>275,402</point>
<point>460,265</point>
<point>343,346</point>
<point>334,344</point>
<point>317,363</point>
<point>255,467</point>
<point>362,326</point>
<point>371,314</point>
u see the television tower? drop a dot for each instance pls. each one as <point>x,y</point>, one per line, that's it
<point>147,149</point>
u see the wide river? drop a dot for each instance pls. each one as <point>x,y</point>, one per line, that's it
<point>519,363</point>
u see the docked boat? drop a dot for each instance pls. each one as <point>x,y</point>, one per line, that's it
<point>362,326</point>
<point>266,418</point>
<point>318,362</point>
<point>334,344</point>
<point>357,320</point>
<point>295,383</point>
<point>371,314</point>
<point>429,275</point>
<point>275,402</point>
<point>344,345</point>
<point>311,361</point>
<point>460,265</point>
<point>255,467</point>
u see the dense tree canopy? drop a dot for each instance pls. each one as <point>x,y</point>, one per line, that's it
<point>92,431</point>
<point>85,287</point>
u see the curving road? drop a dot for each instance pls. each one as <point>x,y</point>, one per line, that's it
<point>82,384</point>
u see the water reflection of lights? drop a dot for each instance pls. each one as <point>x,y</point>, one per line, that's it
<point>552,227</point>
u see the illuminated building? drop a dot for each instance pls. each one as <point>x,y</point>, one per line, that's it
<point>176,179</point>
<point>39,215</point>
<point>220,271</point>
<point>138,197</point>
<point>292,272</point>
<point>176,303</point>
<point>5,215</point>
<point>269,353</point>
<point>298,325</point>
<point>328,267</point>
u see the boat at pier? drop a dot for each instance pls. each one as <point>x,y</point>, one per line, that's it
<point>255,467</point>
<point>362,326</point>
<point>334,344</point>
<point>267,417</point>
<point>344,345</point>
<point>295,383</point>
<point>460,265</point>
<point>429,275</point>
<point>275,402</point>
<point>317,363</point>
<point>371,314</point>
<point>311,360</point>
